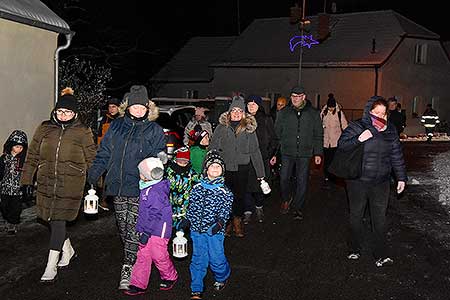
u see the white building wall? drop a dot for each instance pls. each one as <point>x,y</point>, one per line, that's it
<point>26,77</point>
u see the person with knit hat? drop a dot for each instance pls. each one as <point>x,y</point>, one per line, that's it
<point>199,119</point>
<point>61,151</point>
<point>333,123</point>
<point>236,141</point>
<point>11,166</point>
<point>268,144</point>
<point>131,137</point>
<point>154,226</point>
<point>199,147</point>
<point>210,204</point>
<point>299,130</point>
<point>182,178</point>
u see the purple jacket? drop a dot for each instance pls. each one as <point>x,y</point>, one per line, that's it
<point>155,212</point>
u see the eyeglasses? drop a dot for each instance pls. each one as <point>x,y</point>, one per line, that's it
<point>64,112</point>
<point>236,110</point>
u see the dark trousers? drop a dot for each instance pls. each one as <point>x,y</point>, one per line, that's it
<point>237,182</point>
<point>361,194</point>
<point>11,208</point>
<point>301,168</point>
<point>126,211</point>
<point>328,155</point>
<point>57,234</point>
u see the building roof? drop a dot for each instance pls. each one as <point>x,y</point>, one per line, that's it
<point>191,63</point>
<point>33,13</point>
<point>353,36</point>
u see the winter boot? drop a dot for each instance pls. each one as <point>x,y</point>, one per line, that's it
<point>125,276</point>
<point>67,254</point>
<point>51,269</point>
<point>229,229</point>
<point>238,227</point>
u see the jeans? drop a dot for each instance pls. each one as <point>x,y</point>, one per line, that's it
<point>301,168</point>
<point>376,196</point>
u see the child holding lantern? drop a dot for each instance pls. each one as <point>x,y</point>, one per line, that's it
<point>154,223</point>
<point>209,209</point>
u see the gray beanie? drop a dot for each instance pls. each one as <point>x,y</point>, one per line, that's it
<point>152,168</point>
<point>137,95</point>
<point>237,101</point>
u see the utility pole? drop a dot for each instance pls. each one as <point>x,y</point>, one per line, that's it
<point>238,18</point>
<point>302,25</point>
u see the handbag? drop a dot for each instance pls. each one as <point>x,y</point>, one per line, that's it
<point>347,164</point>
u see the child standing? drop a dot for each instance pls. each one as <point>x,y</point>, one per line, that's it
<point>200,143</point>
<point>182,178</point>
<point>154,223</point>
<point>11,167</point>
<point>209,209</point>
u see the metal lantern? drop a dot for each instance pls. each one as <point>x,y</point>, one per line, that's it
<point>91,203</point>
<point>179,245</point>
<point>265,187</point>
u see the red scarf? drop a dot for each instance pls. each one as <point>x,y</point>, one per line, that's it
<point>378,123</point>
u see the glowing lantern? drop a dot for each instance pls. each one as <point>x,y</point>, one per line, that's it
<point>179,245</point>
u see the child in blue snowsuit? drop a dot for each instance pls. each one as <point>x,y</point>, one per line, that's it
<point>210,204</point>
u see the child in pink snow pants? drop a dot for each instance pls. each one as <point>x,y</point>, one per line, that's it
<point>154,223</point>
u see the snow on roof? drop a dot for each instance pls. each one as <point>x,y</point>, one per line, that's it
<point>352,39</point>
<point>33,13</point>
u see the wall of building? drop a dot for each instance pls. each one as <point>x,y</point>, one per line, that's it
<point>402,78</point>
<point>26,77</point>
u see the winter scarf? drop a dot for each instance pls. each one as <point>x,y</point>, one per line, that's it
<point>378,123</point>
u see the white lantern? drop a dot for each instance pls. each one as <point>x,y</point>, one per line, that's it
<point>91,203</point>
<point>179,245</point>
<point>265,187</point>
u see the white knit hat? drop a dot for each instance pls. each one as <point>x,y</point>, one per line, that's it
<point>152,168</point>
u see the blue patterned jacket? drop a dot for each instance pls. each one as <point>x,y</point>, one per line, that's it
<point>210,202</point>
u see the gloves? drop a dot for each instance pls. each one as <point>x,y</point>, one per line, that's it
<point>183,225</point>
<point>214,228</point>
<point>143,239</point>
<point>28,191</point>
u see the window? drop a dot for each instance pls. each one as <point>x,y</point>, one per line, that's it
<point>435,102</point>
<point>421,54</point>
<point>318,101</point>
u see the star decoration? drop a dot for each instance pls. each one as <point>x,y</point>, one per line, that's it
<point>302,40</point>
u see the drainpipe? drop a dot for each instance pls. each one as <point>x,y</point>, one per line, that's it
<point>376,81</point>
<point>68,39</point>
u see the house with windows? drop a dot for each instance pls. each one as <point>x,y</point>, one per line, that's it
<point>352,55</point>
<point>29,33</point>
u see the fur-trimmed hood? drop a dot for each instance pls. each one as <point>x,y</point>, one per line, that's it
<point>153,110</point>
<point>248,122</point>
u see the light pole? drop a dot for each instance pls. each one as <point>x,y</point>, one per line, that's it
<point>302,25</point>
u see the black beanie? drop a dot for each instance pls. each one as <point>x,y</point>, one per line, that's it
<point>67,101</point>
<point>137,95</point>
<point>211,157</point>
<point>114,101</point>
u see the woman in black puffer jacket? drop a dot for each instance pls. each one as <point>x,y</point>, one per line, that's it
<point>382,154</point>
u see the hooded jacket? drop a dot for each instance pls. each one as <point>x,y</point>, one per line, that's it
<point>240,146</point>
<point>382,153</point>
<point>126,143</point>
<point>60,154</point>
<point>11,166</point>
<point>332,127</point>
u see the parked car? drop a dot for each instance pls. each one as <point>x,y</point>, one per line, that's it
<point>173,119</point>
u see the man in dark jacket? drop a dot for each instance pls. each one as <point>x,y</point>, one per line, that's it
<point>395,116</point>
<point>299,129</point>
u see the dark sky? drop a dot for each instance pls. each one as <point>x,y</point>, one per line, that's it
<point>136,38</point>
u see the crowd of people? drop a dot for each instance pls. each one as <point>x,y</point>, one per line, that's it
<point>210,189</point>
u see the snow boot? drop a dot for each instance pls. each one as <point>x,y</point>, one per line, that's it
<point>67,254</point>
<point>51,269</point>
<point>125,276</point>
<point>238,227</point>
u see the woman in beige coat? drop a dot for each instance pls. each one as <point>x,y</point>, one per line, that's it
<point>334,122</point>
<point>61,151</point>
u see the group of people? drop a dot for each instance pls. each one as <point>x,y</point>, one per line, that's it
<point>210,189</point>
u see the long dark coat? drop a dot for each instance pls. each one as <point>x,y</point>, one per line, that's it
<point>61,155</point>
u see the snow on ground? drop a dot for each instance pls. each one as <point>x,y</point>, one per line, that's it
<point>441,172</point>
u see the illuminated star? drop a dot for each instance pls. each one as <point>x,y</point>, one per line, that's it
<point>302,40</point>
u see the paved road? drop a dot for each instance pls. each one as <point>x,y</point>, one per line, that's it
<point>279,259</point>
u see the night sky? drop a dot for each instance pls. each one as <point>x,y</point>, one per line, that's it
<point>136,38</point>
